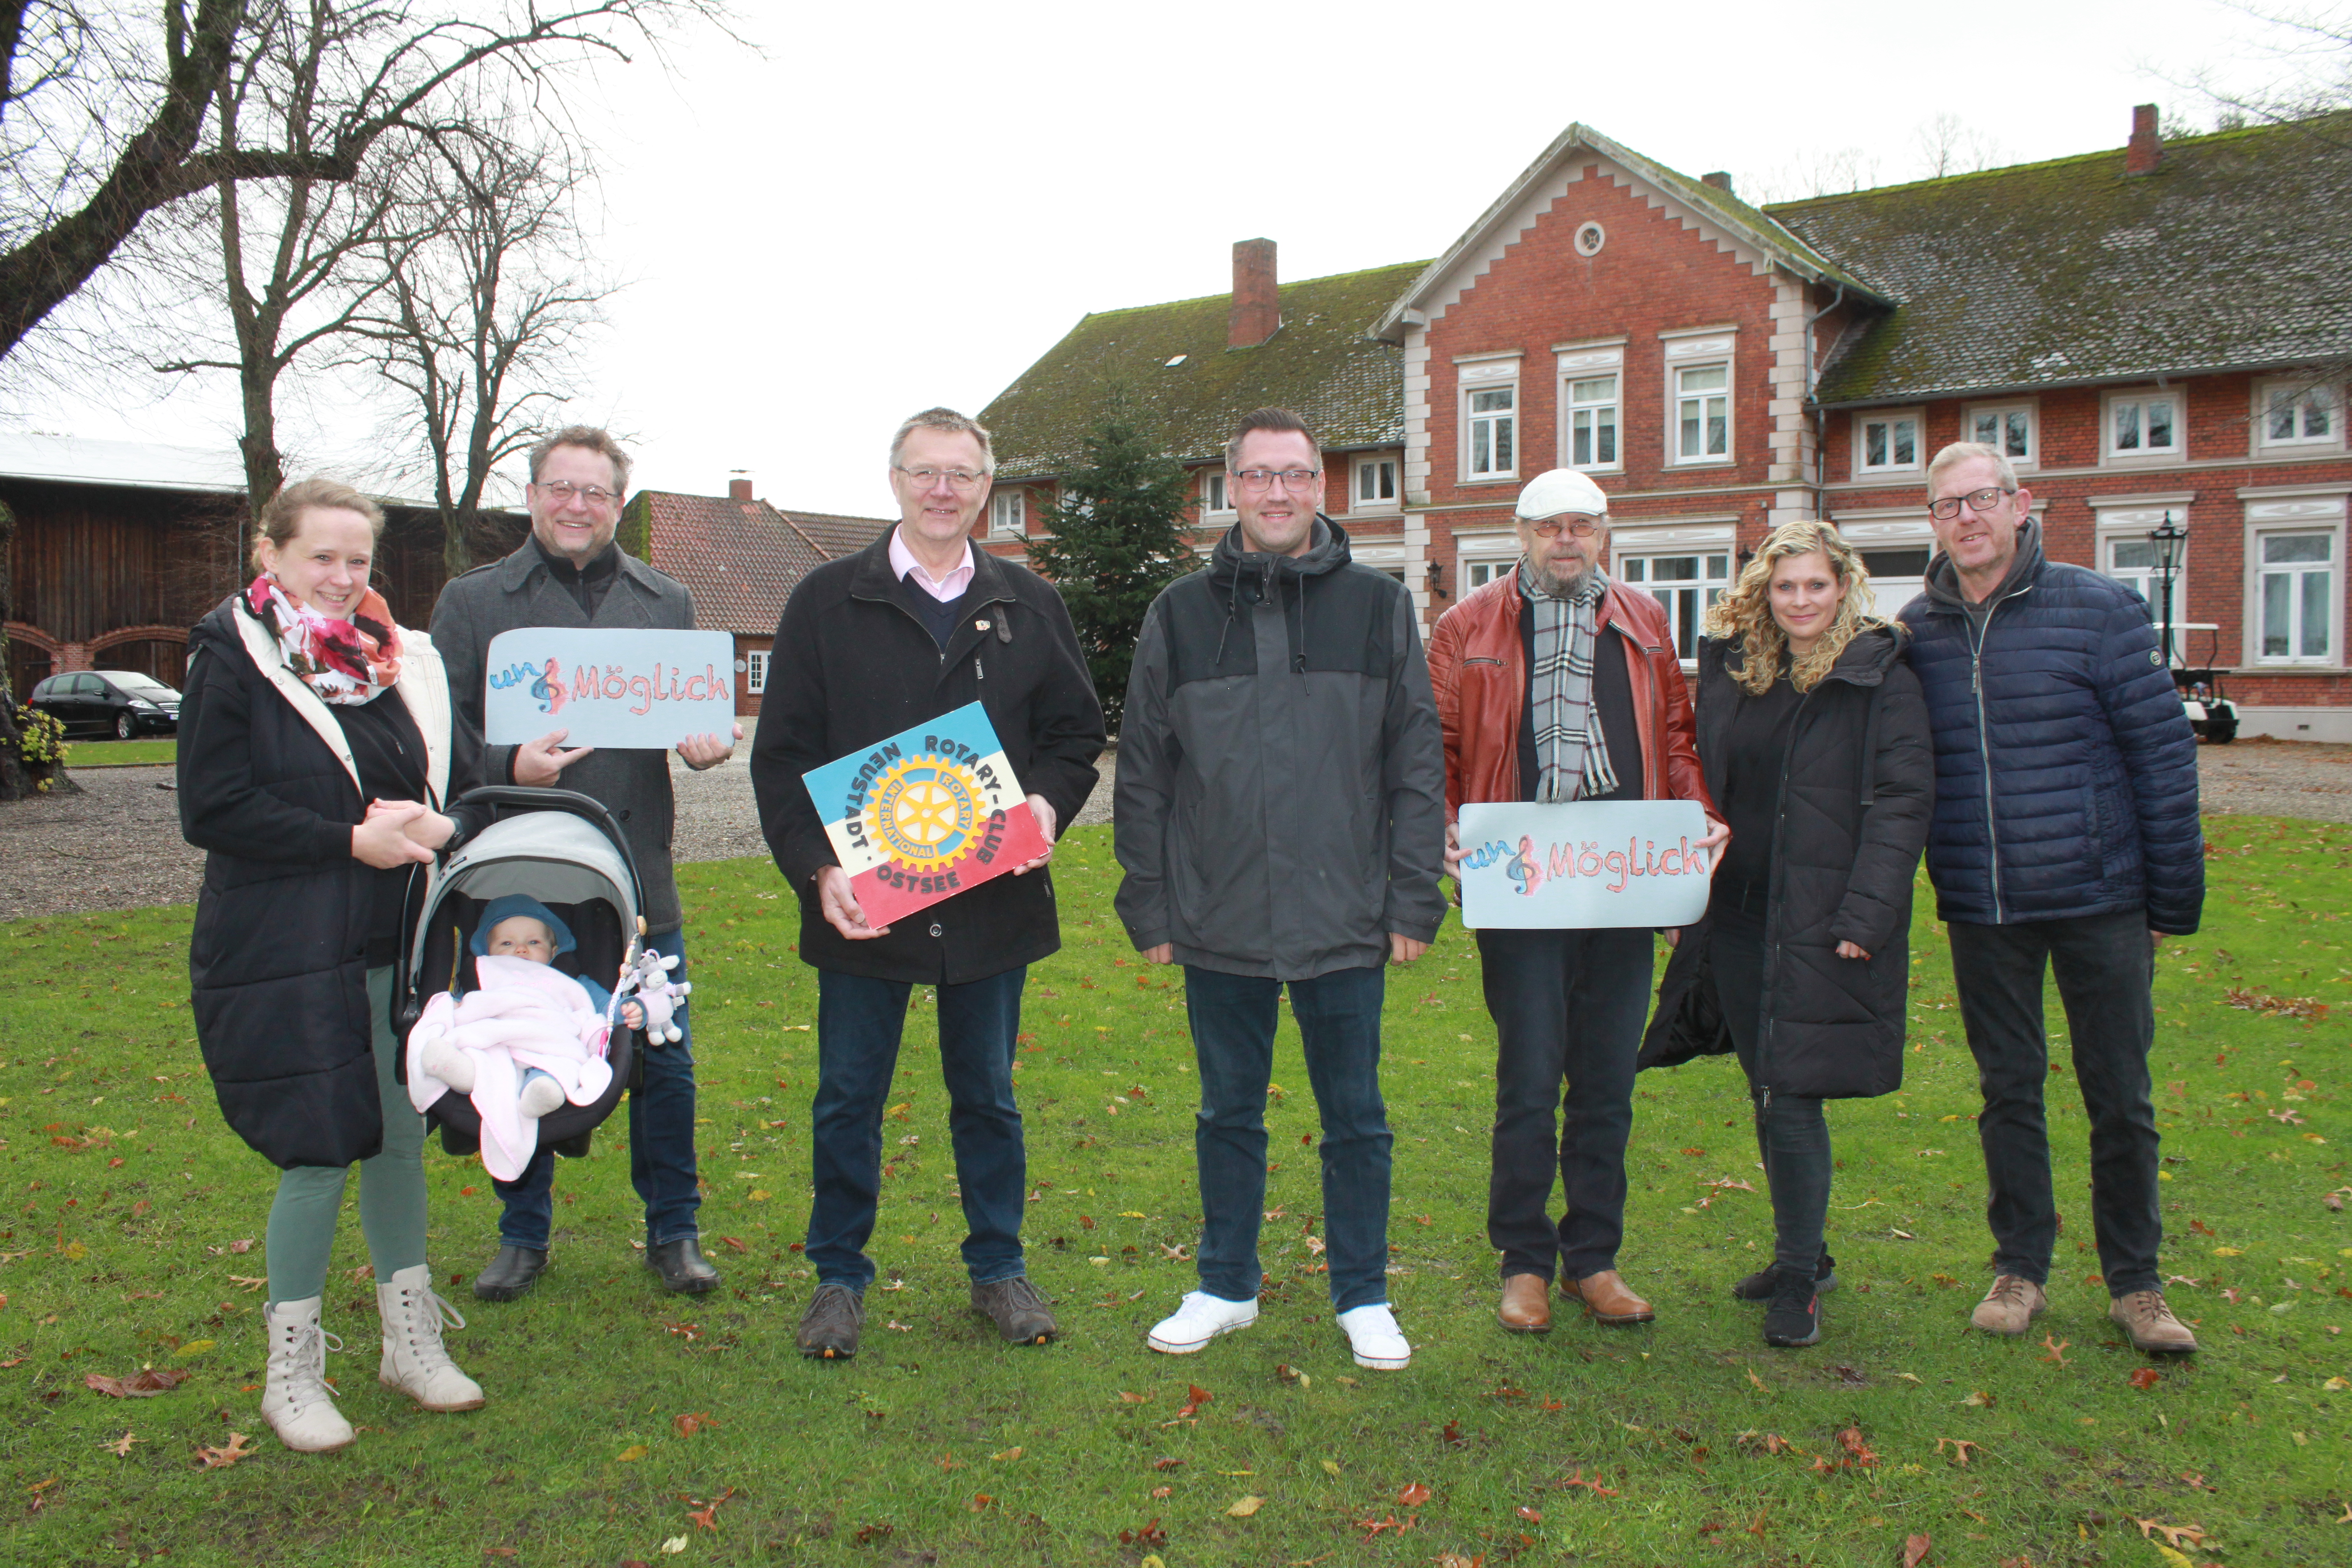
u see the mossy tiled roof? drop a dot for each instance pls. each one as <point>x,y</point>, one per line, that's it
<point>1348,386</point>
<point>2232,254</point>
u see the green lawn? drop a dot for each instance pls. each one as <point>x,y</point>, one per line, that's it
<point>1687,1442</point>
<point>122,753</point>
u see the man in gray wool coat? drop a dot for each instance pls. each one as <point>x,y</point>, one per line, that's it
<point>570,573</point>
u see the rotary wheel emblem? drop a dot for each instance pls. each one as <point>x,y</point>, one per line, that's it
<point>925,812</point>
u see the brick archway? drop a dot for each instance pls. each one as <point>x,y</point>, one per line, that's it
<point>32,655</point>
<point>161,651</point>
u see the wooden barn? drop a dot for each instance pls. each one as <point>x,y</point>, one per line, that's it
<point>121,547</point>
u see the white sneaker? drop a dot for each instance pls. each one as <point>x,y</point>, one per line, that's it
<point>1373,1335</point>
<point>296,1400</point>
<point>1201,1318</point>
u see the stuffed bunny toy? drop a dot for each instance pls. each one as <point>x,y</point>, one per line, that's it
<point>648,978</point>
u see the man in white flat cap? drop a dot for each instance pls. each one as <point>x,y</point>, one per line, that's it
<point>1554,683</point>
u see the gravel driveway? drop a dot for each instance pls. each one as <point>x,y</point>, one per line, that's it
<point>118,846</point>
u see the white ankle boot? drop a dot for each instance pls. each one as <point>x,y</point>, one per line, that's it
<point>296,1400</point>
<point>413,1362</point>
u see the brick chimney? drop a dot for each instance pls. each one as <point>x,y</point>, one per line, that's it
<point>1257,310</point>
<point>739,490</point>
<point>1720,180</point>
<point>2147,149</point>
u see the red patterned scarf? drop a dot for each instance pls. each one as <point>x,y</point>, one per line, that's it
<point>347,662</point>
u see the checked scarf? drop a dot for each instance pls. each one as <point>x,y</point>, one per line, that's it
<point>347,662</point>
<point>1571,752</point>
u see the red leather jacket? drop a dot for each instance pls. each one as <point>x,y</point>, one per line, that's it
<point>1480,671</point>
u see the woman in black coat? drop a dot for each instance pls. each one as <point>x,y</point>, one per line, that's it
<point>315,743</point>
<point>1815,743</point>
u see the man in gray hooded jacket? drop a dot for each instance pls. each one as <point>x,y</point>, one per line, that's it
<point>1281,820</point>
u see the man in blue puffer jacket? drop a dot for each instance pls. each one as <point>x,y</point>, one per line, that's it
<point>2065,837</point>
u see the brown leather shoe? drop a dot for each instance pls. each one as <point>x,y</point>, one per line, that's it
<point>1526,1304</point>
<point>1607,1300</point>
<point>2143,1315</point>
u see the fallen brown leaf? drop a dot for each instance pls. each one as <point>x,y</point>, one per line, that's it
<point>145,1385</point>
<point>121,1445</point>
<point>687,1425</point>
<point>1961,1449</point>
<point>227,1454</point>
<point>1413,1494</point>
<point>1914,1551</point>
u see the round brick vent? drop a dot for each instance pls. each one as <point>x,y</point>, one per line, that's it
<point>1590,238</point>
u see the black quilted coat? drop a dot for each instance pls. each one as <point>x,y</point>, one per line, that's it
<point>278,961</point>
<point>1858,786</point>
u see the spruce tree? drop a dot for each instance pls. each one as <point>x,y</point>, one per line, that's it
<point>1116,539</point>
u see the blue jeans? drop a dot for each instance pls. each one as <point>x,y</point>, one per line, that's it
<point>1233,1018</point>
<point>859,1022</point>
<point>1567,1006</point>
<point>661,1140</point>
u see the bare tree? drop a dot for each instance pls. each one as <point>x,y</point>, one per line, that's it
<point>478,320</point>
<point>1947,145</point>
<point>2303,56</point>
<point>104,121</point>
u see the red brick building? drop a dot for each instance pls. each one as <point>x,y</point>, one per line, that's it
<point>741,558</point>
<point>2160,330</point>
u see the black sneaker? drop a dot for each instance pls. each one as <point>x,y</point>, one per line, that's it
<point>1794,1317</point>
<point>829,1328</point>
<point>1757,1286</point>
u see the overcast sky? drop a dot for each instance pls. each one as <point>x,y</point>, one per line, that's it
<point>892,207</point>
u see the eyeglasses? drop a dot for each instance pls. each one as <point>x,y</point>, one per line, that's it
<point>961,478</point>
<point>1985,499</point>
<point>1550,527</point>
<point>1258,480</point>
<point>564,490</point>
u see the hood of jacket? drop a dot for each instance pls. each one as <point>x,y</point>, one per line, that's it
<point>1243,577</point>
<point>1944,578</point>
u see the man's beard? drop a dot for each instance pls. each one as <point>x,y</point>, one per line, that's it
<point>1550,582</point>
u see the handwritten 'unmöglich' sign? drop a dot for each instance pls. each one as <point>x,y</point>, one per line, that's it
<point>631,689</point>
<point>1583,864</point>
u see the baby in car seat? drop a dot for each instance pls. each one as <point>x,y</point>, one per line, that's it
<point>529,1038</point>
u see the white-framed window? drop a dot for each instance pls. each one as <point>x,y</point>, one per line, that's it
<point>1898,574</point>
<point>1686,583</point>
<point>1490,433</point>
<point>2007,427</point>
<point>1478,573</point>
<point>1592,421</point>
<point>2130,559</point>
<point>1008,514</point>
<point>755,671</point>
<point>1374,486</point>
<point>1888,442</point>
<point>1701,422</point>
<point>1213,491</point>
<point>2146,424</point>
<point>2298,414</point>
<point>2297,596</point>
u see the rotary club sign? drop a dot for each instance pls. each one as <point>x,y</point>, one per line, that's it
<point>924,814</point>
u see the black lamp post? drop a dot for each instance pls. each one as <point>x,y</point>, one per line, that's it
<point>2170,541</point>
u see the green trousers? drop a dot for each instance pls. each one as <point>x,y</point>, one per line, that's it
<point>392,1185</point>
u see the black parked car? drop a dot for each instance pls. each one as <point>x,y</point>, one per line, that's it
<point>123,704</point>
